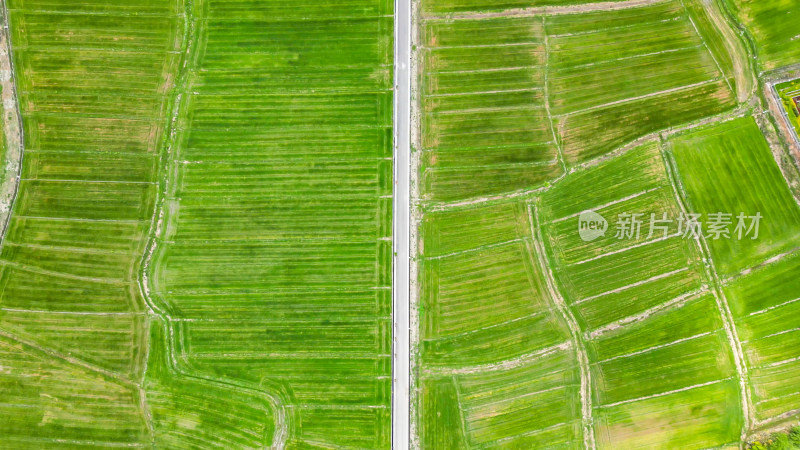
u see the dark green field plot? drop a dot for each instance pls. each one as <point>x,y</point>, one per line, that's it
<point>456,6</point>
<point>615,76</point>
<point>484,121</point>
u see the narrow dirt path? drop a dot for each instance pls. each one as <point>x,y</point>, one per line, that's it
<point>745,79</point>
<point>14,138</point>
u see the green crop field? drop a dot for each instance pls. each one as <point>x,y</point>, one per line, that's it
<point>274,259</point>
<point>462,6</point>
<point>773,27</point>
<point>765,306</point>
<point>92,89</point>
<point>485,122</point>
<point>661,368</point>
<point>200,252</point>
<point>729,169</point>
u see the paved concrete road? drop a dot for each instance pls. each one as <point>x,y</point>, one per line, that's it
<point>401,216</point>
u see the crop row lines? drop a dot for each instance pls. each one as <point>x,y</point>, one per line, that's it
<point>655,347</point>
<point>676,302</point>
<point>549,10</point>
<point>640,97</point>
<point>663,394</point>
<point>655,136</point>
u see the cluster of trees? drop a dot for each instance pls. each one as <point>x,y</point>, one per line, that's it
<point>779,441</point>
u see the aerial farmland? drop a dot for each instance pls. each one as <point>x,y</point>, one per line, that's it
<point>534,331</point>
<point>209,236</point>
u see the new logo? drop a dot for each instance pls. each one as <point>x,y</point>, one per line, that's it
<point>591,225</point>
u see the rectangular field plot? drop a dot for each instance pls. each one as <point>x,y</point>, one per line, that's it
<point>486,303</point>
<point>92,81</point>
<point>729,169</point>
<point>48,402</point>
<point>275,257</point>
<point>484,119</point>
<point>765,304</point>
<point>617,75</point>
<point>457,6</point>
<point>695,361</point>
<point>185,409</point>
<point>704,417</point>
<point>498,366</point>
<point>531,405</point>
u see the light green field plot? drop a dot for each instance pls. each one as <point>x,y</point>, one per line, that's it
<point>495,352</point>
<point>464,324</point>
<point>773,26</point>
<point>765,305</point>
<point>531,405</point>
<point>788,92</point>
<point>728,168</point>
<point>703,417</point>
<point>534,405</point>
<point>259,134</point>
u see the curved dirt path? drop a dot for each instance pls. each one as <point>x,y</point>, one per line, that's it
<point>14,137</point>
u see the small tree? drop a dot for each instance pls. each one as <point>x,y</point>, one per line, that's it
<point>780,441</point>
<point>794,436</point>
